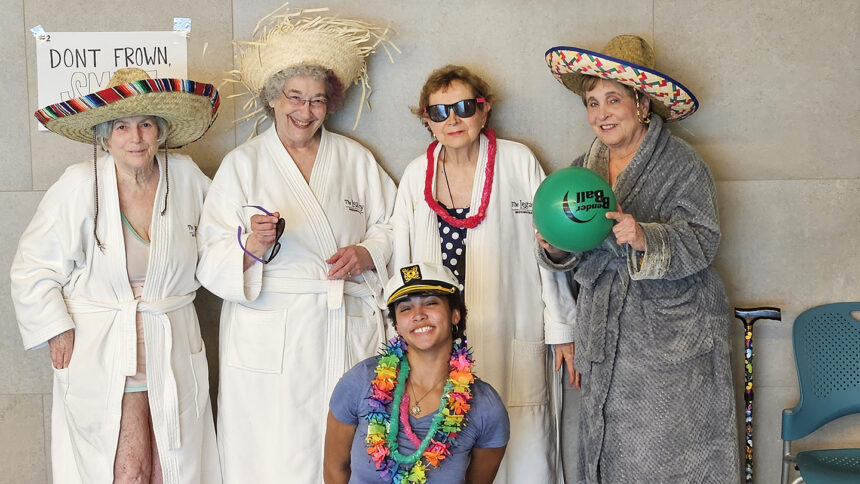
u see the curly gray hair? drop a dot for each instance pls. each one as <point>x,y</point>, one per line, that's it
<point>275,86</point>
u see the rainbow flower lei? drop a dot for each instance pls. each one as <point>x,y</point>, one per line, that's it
<point>392,370</point>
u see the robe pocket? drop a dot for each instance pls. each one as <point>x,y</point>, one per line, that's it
<point>200,368</point>
<point>61,380</point>
<point>675,328</point>
<point>528,373</point>
<point>256,340</point>
<point>362,338</point>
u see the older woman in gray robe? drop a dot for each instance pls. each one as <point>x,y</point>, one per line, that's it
<point>653,318</point>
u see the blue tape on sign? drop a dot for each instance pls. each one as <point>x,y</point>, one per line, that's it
<point>182,24</point>
<point>40,34</point>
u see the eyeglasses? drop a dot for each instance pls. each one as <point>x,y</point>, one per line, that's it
<point>463,109</point>
<point>298,102</point>
<point>279,230</point>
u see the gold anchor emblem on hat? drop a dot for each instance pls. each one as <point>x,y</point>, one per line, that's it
<point>410,273</point>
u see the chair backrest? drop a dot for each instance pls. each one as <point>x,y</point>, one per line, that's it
<point>827,355</point>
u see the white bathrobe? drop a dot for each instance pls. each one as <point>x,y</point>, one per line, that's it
<point>61,280</point>
<point>288,332</point>
<point>515,309</point>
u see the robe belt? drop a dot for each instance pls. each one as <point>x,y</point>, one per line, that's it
<point>128,343</point>
<point>334,289</point>
<point>596,275</point>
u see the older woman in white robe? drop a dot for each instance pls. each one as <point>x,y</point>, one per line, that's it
<point>475,190</point>
<point>104,274</point>
<point>299,283</point>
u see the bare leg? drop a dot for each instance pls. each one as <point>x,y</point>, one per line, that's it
<point>133,462</point>
<point>157,475</point>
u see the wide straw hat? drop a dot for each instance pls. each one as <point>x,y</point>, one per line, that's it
<point>189,107</point>
<point>629,60</point>
<point>302,37</point>
<point>423,278</point>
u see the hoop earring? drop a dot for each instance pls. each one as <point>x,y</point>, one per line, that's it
<point>642,120</point>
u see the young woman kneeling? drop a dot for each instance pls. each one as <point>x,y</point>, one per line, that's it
<point>416,412</point>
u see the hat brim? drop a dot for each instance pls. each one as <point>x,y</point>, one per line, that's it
<point>283,49</point>
<point>671,100</point>
<point>188,107</point>
<point>424,287</point>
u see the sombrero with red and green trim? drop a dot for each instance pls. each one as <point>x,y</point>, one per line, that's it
<point>189,107</point>
<point>629,60</point>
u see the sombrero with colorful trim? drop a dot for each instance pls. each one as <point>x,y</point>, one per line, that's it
<point>629,60</point>
<point>189,107</point>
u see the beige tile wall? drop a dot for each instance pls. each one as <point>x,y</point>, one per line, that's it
<point>16,167</point>
<point>778,126</point>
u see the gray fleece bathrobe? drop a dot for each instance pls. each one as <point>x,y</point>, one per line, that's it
<point>653,328</point>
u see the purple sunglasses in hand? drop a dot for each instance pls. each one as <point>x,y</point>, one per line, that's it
<point>279,230</point>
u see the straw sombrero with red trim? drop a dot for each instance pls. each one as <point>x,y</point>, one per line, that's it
<point>189,107</point>
<point>629,60</point>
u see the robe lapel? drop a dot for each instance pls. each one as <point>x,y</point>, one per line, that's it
<point>477,259</point>
<point>627,183</point>
<point>113,265</point>
<point>157,330</point>
<point>159,235</point>
<point>308,193</point>
<point>597,160</point>
<point>310,196</point>
<point>110,231</point>
<point>480,176</point>
<point>117,274</point>
<point>429,248</point>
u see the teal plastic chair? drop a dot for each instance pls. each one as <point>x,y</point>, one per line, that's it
<point>827,355</point>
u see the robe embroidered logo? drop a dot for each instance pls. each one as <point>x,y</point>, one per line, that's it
<point>192,229</point>
<point>585,201</point>
<point>353,206</point>
<point>522,206</point>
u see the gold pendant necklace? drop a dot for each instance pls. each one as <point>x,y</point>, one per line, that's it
<point>415,409</point>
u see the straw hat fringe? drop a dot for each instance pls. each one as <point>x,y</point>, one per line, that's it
<point>282,40</point>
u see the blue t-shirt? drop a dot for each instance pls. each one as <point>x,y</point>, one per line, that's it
<point>487,426</point>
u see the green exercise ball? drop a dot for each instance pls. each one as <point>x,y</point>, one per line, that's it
<point>570,206</point>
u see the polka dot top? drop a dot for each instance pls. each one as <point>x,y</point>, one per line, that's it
<point>454,243</point>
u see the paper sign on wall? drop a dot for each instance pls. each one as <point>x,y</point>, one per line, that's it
<point>73,64</point>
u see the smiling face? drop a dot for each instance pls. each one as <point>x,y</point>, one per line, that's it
<point>426,322</point>
<point>612,116</point>
<point>133,141</point>
<point>457,133</point>
<point>298,126</point>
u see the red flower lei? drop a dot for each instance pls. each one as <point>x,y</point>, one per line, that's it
<point>474,220</point>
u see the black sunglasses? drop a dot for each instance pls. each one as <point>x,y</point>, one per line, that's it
<point>279,230</point>
<point>463,109</point>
